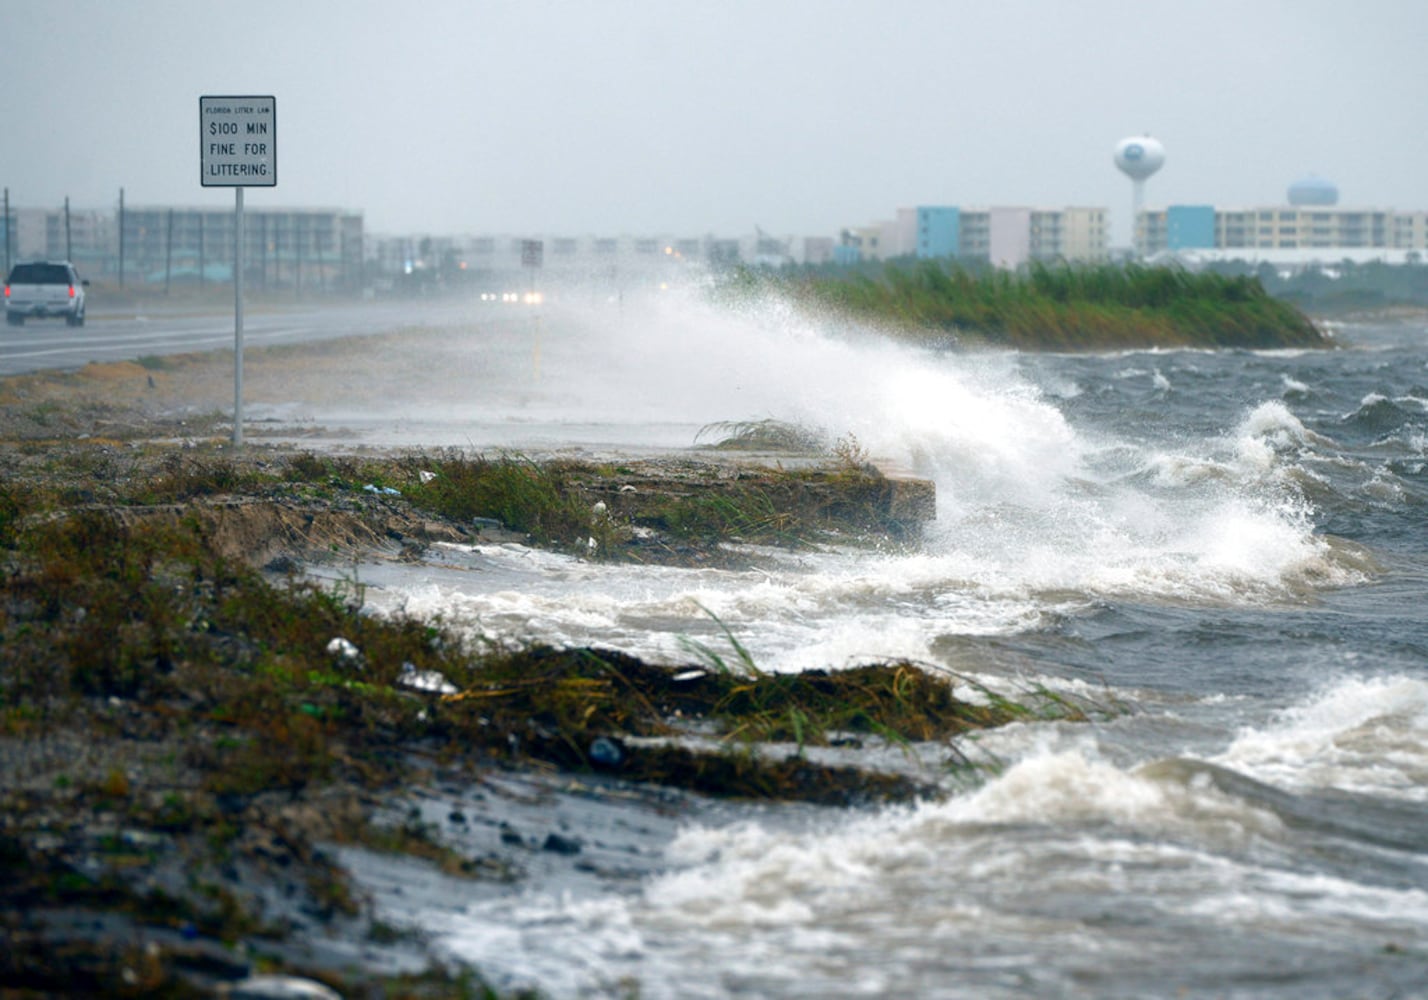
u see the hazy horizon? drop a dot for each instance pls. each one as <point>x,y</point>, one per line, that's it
<point>797,117</point>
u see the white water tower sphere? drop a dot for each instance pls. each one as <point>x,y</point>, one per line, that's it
<point>1139,157</point>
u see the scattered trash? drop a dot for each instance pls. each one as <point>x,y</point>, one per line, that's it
<point>425,476</point>
<point>606,752</point>
<point>383,490</point>
<point>280,988</point>
<point>591,544</point>
<point>425,680</point>
<point>344,650</point>
<point>688,675</point>
<point>627,488</point>
<point>599,510</point>
<point>487,522</point>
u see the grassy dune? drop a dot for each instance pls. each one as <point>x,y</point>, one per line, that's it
<point>1055,307</point>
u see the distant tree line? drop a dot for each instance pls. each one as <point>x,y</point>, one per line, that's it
<point>1345,287</point>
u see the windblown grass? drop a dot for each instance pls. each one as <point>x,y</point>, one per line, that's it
<point>521,494</point>
<point>219,692</point>
<point>568,504</point>
<point>762,435</point>
<point>98,609</point>
<point>1056,307</point>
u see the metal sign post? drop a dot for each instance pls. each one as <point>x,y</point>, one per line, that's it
<point>237,317</point>
<point>238,148</point>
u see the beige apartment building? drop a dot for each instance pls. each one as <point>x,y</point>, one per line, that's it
<point>1281,227</point>
<point>1006,236</point>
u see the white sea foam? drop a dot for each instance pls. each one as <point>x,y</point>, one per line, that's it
<point>828,901</point>
<point>1033,515</point>
<point>1068,789</point>
<point>1359,734</point>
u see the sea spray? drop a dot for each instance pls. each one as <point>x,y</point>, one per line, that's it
<point>1037,516</point>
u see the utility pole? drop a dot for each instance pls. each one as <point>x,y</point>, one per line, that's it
<point>68,249</point>
<point>7,231</point>
<point>121,237</point>
<point>202,266</point>
<point>169,253</point>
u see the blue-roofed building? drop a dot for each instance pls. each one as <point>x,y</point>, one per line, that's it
<point>939,231</point>
<point>1190,227</point>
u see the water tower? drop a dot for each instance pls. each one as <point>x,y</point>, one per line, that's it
<point>1138,158</point>
<point>1313,191</point>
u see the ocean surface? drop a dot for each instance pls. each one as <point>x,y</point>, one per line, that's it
<point>1227,550</point>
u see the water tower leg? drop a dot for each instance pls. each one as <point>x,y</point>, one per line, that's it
<point>1137,206</point>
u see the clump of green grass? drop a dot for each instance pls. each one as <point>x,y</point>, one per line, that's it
<point>901,701</point>
<point>1055,307</point>
<point>16,500</point>
<point>747,514</point>
<point>154,362</point>
<point>762,435</point>
<point>184,476</point>
<point>567,504</point>
<point>523,495</point>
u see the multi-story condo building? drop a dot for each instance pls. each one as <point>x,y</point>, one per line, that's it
<point>1005,236</point>
<point>298,248</point>
<point>1280,227</point>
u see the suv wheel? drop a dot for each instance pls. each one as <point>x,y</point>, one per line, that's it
<point>75,319</point>
<point>14,320</point>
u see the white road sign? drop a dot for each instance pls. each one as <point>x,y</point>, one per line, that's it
<point>238,141</point>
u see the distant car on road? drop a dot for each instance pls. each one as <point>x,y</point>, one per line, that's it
<point>44,288</point>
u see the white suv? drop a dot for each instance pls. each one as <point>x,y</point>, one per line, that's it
<point>44,288</point>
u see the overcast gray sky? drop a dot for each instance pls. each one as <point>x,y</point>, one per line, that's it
<point>685,118</point>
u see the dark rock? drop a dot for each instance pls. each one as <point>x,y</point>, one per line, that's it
<point>557,844</point>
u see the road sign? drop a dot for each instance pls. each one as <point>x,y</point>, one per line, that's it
<point>238,141</point>
<point>532,252</point>
<point>238,148</point>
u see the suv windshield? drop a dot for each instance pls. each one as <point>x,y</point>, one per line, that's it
<point>39,274</point>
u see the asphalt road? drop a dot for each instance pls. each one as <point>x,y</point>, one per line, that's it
<point>163,329</point>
